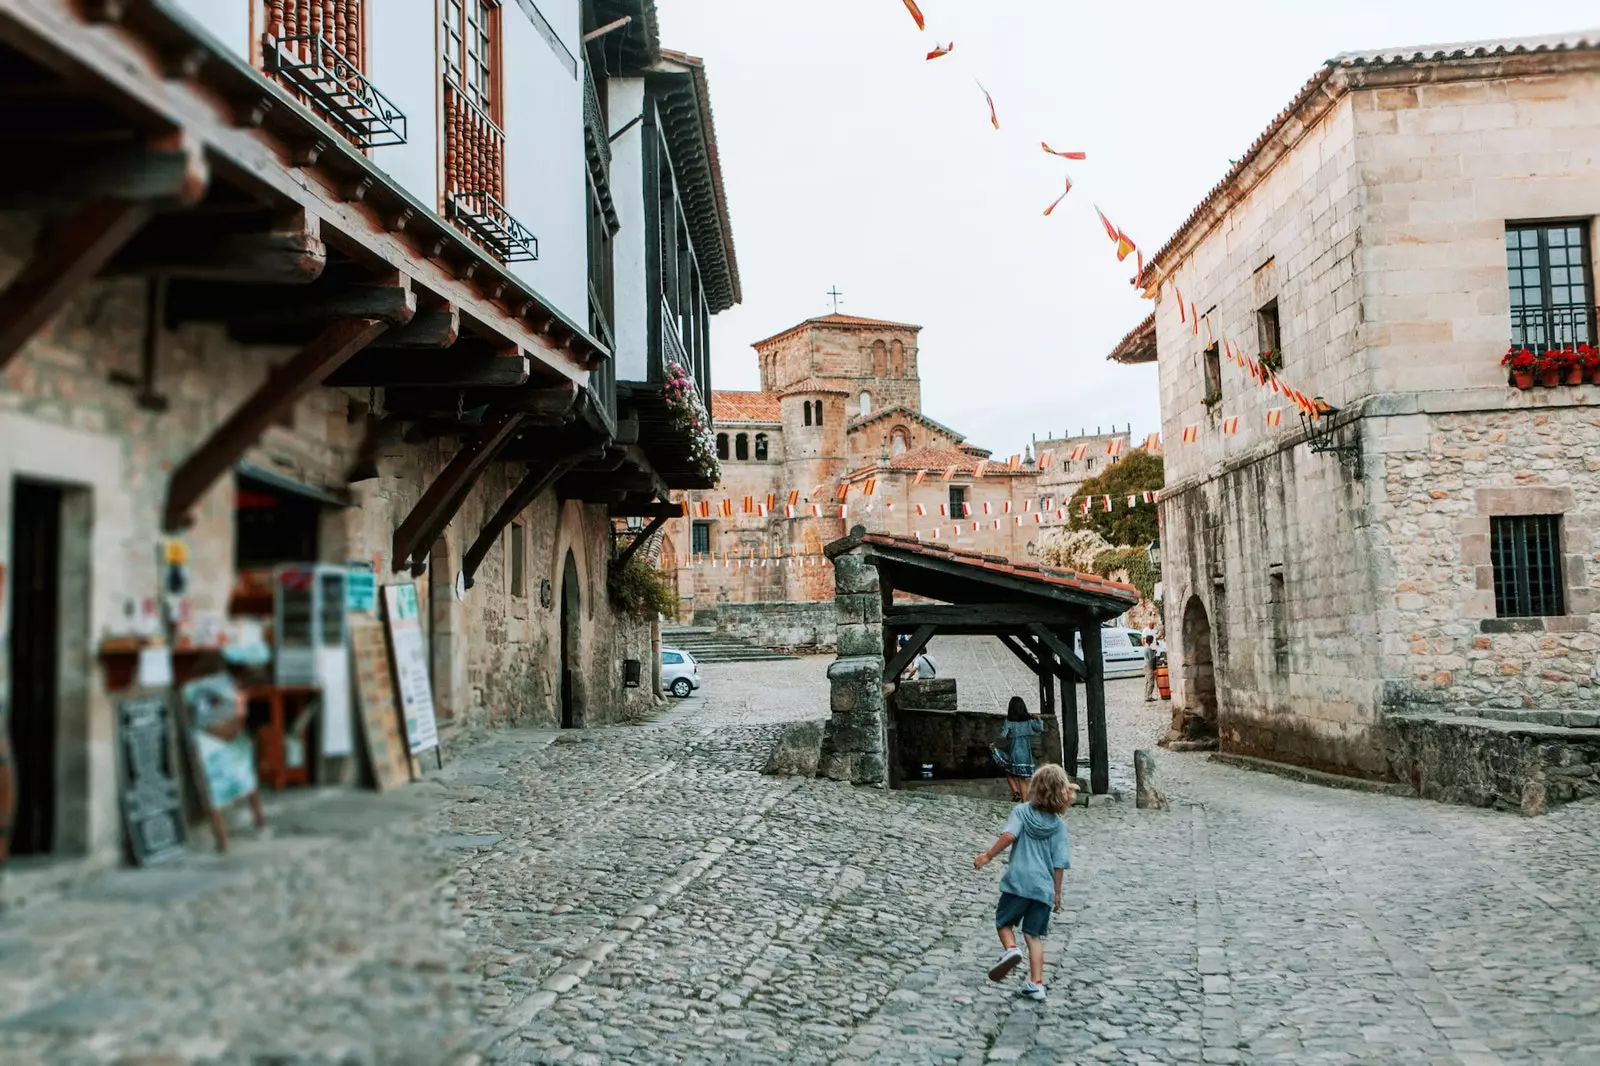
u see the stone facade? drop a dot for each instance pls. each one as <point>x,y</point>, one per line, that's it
<point>802,626</point>
<point>65,421</point>
<point>1310,596</point>
<point>855,741</point>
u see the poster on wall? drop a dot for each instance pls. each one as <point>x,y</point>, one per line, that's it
<point>360,588</point>
<point>402,615</point>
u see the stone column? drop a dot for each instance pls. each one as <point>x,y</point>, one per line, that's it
<point>854,742</point>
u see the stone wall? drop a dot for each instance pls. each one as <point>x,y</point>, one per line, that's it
<point>1514,766</point>
<point>955,743</point>
<point>63,420</point>
<point>855,741</point>
<point>799,626</point>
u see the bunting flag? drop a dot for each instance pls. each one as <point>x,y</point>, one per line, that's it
<point>1006,506</point>
<point>1084,509</point>
<point>788,510</point>
<point>794,497</point>
<point>1194,319</point>
<point>1152,443</point>
<point>1038,518</point>
<point>871,487</point>
<point>1108,503</point>
<point>941,50</point>
<point>1019,520</point>
<point>816,491</point>
<point>749,505</point>
<point>994,117</point>
<point>916,13</point>
<point>974,527</point>
<point>997,523</point>
<point>1191,433</point>
<point>772,502</point>
<point>1057,201</point>
<point>955,531</point>
<point>844,510</point>
<point>816,510</point>
<point>1046,457</point>
<point>1111,231</point>
<point>921,510</point>
<point>1125,246</point>
<point>1138,277</point>
<point>705,508</point>
<point>949,473</point>
<point>843,493</point>
<point>1275,416</point>
<point>1014,463</point>
<point>1061,514</point>
<point>1027,505</point>
<point>1150,497</point>
<point>966,510</point>
<point>1114,447</point>
<point>1230,426</point>
<point>686,513</point>
<point>1078,453</point>
<point>1049,504</point>
<point>980,469</point>
<point>919,477</point>
<point>944,510</point>
<point>1080,156</point>
<point>935,534</point>
<point>986,507</point>
<point>1132,502</point>
<point>1181,316</point>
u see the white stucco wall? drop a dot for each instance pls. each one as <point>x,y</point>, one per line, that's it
<point>404,66</point>
<point>630,245</point>
<point>545,167</point>
<point>227,22</point>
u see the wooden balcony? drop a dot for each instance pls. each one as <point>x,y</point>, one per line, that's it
<point>475,180</point>
<point>332,85</point>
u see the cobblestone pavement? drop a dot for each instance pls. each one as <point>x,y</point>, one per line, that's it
<point>643,894</point>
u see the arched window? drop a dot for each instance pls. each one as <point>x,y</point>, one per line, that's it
<point>741,446</point>
<point>722,445</point>
<point>807,406</point>
<point>866,403</point>
<point>897,441</point>
<point>880,359</point>
<point>897,359</point>
<point>819,412</point>
<point>761,447</point>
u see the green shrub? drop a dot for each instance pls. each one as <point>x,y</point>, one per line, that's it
<point>639,589</point>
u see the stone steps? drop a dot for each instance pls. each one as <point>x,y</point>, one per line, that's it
<point>709,646</point>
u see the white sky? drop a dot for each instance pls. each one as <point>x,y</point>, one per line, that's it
<point>849,159</point>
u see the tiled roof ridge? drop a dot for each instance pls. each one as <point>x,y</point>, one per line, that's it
<point>838,320</point>
<point>749,408</point>
<point>1416,55</point>
<point>999,563</point>
<point>1141,336</point>
<point>812,384</point>
<point>884,412</point>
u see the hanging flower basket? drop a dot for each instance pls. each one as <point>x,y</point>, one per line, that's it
<point>688,413</point>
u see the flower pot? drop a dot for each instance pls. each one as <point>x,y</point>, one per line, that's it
<point>1522,378</point>
<point>1574,374</point>
<point>1550,378</point>
<point>1591,373</point>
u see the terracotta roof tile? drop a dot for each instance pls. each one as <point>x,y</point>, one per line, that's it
<point>1139,346</point>
<point>940,459</point>
<point>1090,583</point>
<point>844,321</point>
<point>900,410</point>
<point>813,386</point>
<point>734,408</point>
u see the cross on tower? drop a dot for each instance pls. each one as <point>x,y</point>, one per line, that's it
<point>835,293</point>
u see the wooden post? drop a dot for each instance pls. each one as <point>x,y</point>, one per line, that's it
<point>891,701</point>
<point>1095,690</point>
<point>1053,748</point>
<point>1069,723</point>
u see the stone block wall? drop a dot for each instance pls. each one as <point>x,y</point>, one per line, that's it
<point>955,743</point>
<point>1512,766</point>
<point>63,420</point>
<point>855,742</point>
<point>805,627</point>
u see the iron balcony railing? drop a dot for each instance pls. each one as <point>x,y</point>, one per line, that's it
<point>486,220</point>
<point>335,88</point>
<point>594,123</point>
<point>1555,326</point>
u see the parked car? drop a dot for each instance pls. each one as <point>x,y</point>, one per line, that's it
<point>680,674</point>
<point>1122,651</point>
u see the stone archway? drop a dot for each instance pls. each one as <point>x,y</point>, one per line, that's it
<point>1196,720</point>
<point>571,650</point>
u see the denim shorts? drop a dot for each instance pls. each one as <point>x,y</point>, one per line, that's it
<point>1032,914</point>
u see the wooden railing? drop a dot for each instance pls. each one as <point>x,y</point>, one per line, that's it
<point>338,22</point>
<point>474,148</point>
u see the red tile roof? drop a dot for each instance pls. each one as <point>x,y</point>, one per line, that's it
<point>745,407</point>
<point>999,564</point>
<point>1139,346</point>
<point>1316,96</point>
<point>842,321</point>
<point>813,386</point>
<point>941,459</point>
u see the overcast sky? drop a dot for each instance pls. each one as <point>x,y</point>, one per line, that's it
<point>850,160</point>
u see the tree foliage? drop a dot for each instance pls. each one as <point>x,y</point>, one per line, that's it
<point>1070,549</point>
<point>639,589</point>
<point>1131,527</point>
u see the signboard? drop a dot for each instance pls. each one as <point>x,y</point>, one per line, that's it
<point>380,718</point>
<point>361,588</point>
<point>152,803</point>
<point>404,619</point>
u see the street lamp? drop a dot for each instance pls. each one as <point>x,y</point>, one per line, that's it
<point>1152,552</point>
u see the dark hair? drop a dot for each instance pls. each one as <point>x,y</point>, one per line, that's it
<point>1016,710</point>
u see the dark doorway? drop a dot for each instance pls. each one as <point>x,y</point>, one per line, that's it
<point>571,612</point>
<point>35,661</point>
<point>273,526</point>
<point>1199,672</point>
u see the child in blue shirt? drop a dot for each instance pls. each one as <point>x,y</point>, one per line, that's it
<point>1031,887</point>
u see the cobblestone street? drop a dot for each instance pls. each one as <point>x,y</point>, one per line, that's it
<point>643,894</point>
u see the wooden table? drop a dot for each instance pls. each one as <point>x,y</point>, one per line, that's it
<point>272,736</point>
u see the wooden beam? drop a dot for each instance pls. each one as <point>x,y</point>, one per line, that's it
<point>196,247</point>
<point>638,542</point>
<point>540,476</point>
<point>1095,688</point>
<point>1069,725</point>
<point>392,368</point>
<point>903,658</point>
<point>1007,616</point>
<point>1019,651</point>
<point>171,170</point>
<point>920,569</point>
<point>443,498</point>
<point>277,305</point>
<point>430,328</point>
<point>284,385</point>
<point>69,254</point>
<point>1047,704</point>
<point>1061,648</point>
<point>648,510</point>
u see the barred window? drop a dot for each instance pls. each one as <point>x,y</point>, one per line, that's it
<point>700,542</point>
<point>1552,285</point>
<point>1526,552</point>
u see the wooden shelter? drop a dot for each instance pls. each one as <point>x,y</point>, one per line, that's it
<point>1036,612</point>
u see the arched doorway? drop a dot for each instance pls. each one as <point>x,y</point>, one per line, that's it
<point>440,595</point>
<point>1199,717</point>
<point>571,613</point>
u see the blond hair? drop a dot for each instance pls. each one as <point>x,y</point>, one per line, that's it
<point>1049,790</point>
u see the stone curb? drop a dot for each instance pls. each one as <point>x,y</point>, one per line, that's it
<point>1313,777</point>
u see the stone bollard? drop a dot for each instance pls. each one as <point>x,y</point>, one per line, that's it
<point>1148,796</point>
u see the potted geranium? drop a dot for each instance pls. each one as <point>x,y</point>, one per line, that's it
<point>1589,359</point>
<point>1552,368</point>
<point>1573,366</point>
<point>1522,364</point>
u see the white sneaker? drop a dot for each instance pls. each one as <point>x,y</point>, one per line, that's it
<point>1009,960</point>
<point>1031,991</point>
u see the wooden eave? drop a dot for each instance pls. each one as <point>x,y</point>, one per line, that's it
<point>685,116</point>
<point>163,72</point>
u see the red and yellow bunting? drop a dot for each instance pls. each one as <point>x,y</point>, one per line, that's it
<point>940,50</point>
<point>916,13</point>
<point>1064,155</point>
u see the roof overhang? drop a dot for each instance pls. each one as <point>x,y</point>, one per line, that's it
<point>684,99</point>
<point>1139,346</point>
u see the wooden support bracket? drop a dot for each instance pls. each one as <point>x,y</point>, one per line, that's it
<point>283,387</point>
<point>69,255</point>
<point>444,497</point>
<point>400,369</point>
<point>1062,649</point>
<point>903,658</point>
<point>638,542</point>
<point>1028,658</point>
<point>540,476</point>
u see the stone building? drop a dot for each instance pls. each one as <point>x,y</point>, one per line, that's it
<point>1077,458</point>
<point>1409,582</point>
<point>250,323</point>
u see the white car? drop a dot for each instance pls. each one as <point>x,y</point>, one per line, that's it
<point>1122,651</point>
<point>680,674</point>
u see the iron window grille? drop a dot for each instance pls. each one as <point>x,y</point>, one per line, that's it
<point>336,89</point>
<point>1551,278</point>
<point>1526,552</point>
<point>485,219</point>
<point>701,543</point>
<point>958,499</point>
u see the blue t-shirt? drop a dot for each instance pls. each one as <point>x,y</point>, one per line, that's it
<point>1041,848</point>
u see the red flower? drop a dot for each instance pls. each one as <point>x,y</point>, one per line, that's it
<point>1521,359</point>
